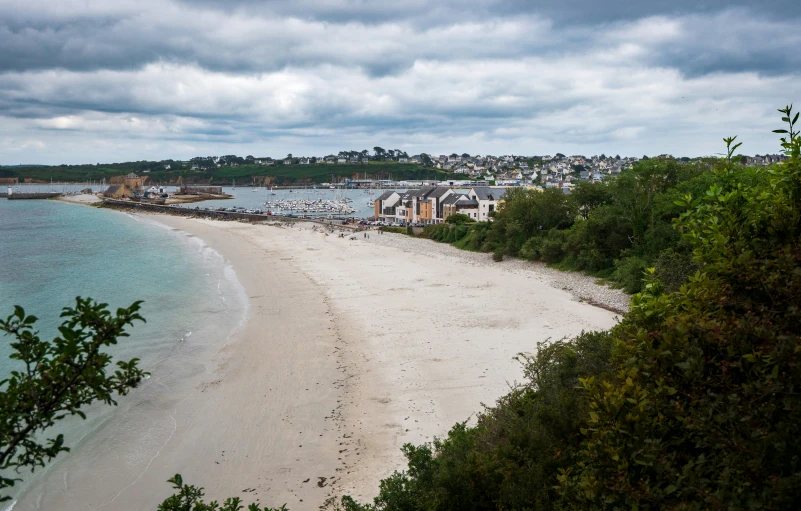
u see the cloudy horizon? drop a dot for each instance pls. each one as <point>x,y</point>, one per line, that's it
<point>86,81</point>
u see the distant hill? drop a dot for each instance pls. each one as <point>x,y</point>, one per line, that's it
<point>243,174</point>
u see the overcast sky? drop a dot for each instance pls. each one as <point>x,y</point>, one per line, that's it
<point>85,81</point>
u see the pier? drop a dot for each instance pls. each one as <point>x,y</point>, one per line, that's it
<point>20,196</point>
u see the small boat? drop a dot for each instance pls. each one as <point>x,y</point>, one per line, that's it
<point>255,190</point>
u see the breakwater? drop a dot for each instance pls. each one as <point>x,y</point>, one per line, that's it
<point>21,196</point>
<point>215,215</point>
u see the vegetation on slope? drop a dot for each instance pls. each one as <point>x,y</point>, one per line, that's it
<point>691,402</point>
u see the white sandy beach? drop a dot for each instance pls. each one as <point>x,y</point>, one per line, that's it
<point>350,350</point>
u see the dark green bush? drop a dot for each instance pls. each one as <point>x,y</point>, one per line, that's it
<point>629,273</point>
<point>674,268</point>
<point>459,219</point>
<point>497,254</point>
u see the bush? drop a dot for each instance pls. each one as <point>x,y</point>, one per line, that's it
<point>552,246</point>
<point>459,219</point>
<point>674,269</point>
<point>397,230</point>
<point>497,254</point>
<point>532,249</point>
<point>630,272</point>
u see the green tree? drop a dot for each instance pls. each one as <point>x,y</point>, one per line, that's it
<point>589,196</point>
<point>702,410</point>
<point>55,379</point>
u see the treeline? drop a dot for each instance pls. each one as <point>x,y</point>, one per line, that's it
<point>613,229</point>
<point>691,402</point>
<point>243,174</point>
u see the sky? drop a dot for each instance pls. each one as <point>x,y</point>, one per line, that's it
<point>85,81</point>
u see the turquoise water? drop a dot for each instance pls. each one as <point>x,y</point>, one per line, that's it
<point>51,252</point>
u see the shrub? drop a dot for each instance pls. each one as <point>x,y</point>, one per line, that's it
<point>497,254</point>
<point>552,246</point>
<point>674,268</point>
<point>459,219</point>
<point>531,249</point>
<point>630,272</point>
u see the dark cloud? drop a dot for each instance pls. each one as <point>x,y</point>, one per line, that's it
<point>334,73</point>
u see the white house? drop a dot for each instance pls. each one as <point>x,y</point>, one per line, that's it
<point>487,199</point>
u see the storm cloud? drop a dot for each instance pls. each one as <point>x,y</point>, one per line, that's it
<point>85,81</point>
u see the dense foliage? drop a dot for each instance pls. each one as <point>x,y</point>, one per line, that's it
<point>56,379</point>
<point>691,402</point>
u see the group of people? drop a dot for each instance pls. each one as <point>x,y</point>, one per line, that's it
<point>329,230</point>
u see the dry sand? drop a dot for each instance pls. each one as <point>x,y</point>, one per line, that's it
<point>418,343</point>
<point>350,350</point>
<point>81,198</point>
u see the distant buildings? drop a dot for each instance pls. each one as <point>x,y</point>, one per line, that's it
<point>434,204</point>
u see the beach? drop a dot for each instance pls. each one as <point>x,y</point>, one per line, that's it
<point>405,346</point>
<point>350,349</point>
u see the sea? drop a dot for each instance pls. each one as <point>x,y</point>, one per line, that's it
<point>52,252</point>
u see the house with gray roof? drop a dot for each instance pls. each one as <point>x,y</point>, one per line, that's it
<point>488,199</point>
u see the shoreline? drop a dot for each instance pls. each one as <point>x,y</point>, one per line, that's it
<point>406,369</point>
<point>350,350</point>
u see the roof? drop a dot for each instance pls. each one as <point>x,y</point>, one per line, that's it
<point>489,193</point>
<point>451,199</point>
<point>131,176</point>
<point>385,195</point>
<point>422,192</point>
<point>467,203</point>
<point>439,191</point>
